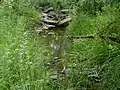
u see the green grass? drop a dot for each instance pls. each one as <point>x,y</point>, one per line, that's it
<point>83,24</point>
<point>21,57</point>
<point>95,54</point>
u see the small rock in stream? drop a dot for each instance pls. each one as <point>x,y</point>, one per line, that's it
<point>54,75</point>
<point>62,22</point>
<point>50,21</point>
<point>64,11</point>
<point>45,27</point>
<point>44,14</point>
<point>50,26</point>
<point>52,18</point>
<point>63,16</point>
<point>39,31</point>
<point>49,9</point>
<point>54,14</point>
<point>51,33</point>
<point>56,58</point>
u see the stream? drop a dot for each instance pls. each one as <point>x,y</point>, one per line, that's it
<point>53,32</point>
<point>58,47</point>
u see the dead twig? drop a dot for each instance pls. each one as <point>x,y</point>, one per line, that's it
<point>110,39</point>
<point>80,37</point>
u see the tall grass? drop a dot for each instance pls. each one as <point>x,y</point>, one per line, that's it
<point>21,57</point>
<point>98,55</point>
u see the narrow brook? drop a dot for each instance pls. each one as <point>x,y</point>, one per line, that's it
<point>58,48</point>
<point>53,33</point>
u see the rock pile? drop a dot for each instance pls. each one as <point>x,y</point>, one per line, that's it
<point>54,18</point>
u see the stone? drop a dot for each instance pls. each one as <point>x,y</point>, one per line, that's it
<point>45,27</point>
<point>65,11</point>
<point>55,58</point>
<point>63,16</point>
<point>49,9</point>
<point>44,14</point>
<point>50,26</point>
<point>53,14</point>
<point>51,17</point>
<point>62,22</point>
<point>54,75</point>
<point>50,21</point>
<point>39,30</point>
<point>51,33</point>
